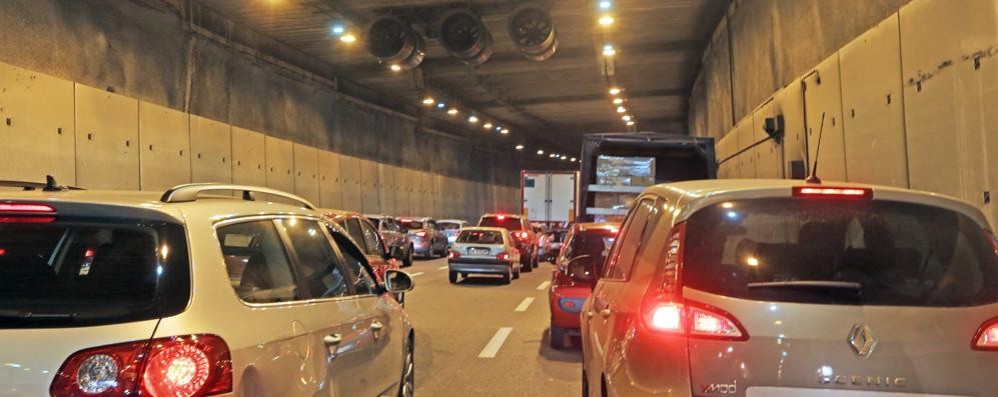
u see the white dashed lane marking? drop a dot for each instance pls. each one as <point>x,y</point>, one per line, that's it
<point>543,286</point>
<point>416,274</point>
<point>443,267</point>
<point>524,305</point>
<point>495,344</point>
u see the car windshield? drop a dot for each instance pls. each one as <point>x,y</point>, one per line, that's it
<point>449,225</point>
<point>840,252</point>
<point>412,225</point>
<point>480,237</point>
<point>505,222</point>
<point>71,273</point>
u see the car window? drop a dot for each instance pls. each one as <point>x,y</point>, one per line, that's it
<point>480,237</point>
<point>371,240</point>
<point>596,243</point>
<point>449,225</point>
<point>884,253</point>
<point>356,265</point>
<point>507,222</point>
<point>356,233</point>
<point>412,225</point>
<point>89,273</point>
<point>317,264</point>
<point>257,263</point>
<point>618,266</point>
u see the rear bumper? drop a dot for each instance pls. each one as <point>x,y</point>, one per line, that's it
<point>479,266</point>
<point>566,305</point>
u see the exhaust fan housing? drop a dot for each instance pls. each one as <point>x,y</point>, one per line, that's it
<point>394,42</point>
<point>532,29</point>
<point>465,37</point>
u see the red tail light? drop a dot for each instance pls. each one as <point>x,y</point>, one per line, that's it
<point>833,192</point>
<point>521,235</point>
<point>26,213</point>
<point>453,255</point>
<point>987,336</point>
<point>187,366</point>
<point>503,256</point>
<point>501,217</point>
<point>666,311</point>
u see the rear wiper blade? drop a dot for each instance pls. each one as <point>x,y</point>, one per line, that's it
<point>808,284</point>
<point>23,315</point>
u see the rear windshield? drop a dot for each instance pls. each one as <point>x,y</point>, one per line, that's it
<point>507,222</point>
<point>412,225</point>
<point>449,225</point>
<point>836,252</point>
<point>480,237</point>
<point>72,273</point>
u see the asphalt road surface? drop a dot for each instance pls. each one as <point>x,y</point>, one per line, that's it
<point>482,338</point>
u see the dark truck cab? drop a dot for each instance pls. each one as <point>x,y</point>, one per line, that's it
<point>609,161</point>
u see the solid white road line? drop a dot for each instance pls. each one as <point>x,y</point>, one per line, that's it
<point>443,267</point>
<point>524,305</point>
<point>495,344</point>
<point>544,285</point>
<point>416,274</point>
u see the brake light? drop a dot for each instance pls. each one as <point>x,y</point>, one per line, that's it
<point>503,256</point>
<point>522,235</point>
<point>3,252</point>
<point>833,192</point>
<point>501,217</point>
<point>453,255</point>
<point>987,336</point>
<point>666,311</point>
<point>187,366</point>
<point>26,213</point>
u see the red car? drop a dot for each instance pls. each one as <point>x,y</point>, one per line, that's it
<point>523,234</point>
<point>579,265</point>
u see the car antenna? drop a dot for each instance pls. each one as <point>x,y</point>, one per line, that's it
<point>813,178</point>
<point>51,185</point>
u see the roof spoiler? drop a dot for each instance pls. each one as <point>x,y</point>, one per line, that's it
<point>50,185</point>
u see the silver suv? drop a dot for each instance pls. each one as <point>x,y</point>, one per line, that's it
<point>191,294</point>
<point>787,289</point>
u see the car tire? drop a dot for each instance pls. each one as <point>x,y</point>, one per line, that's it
<point>409,258</point>
<point>508,277</point>
<point>407,385</point>
<point>525,267</point>
<point>585,384</point>
<point>452,277</point>
<point>516,273</point>
<point>558,338</point>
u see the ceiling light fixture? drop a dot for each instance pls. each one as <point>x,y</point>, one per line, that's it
<point>473,119</point>
<point>606,20</point>
<point>395,68</point>
<point>441,105</point>
<point>337,29</point>
<point>630,123</point>
<point>626,117</point>
<point>615,91</point>
<point>452,111</point>
<point>519,147</point>
<point>504,131</point>
<point>540,152</point>
<point>605,5</point>
<point>618,101</point>
<point>348,38</point>
<point>572,159</point>
<point>428,101</point>
<point>609,51</point>
<point>487,126</point>
<point>621,109</point>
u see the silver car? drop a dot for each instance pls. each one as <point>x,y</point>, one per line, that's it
<point>484,250</point>
<point>757,288</point>
<point>189,294</point>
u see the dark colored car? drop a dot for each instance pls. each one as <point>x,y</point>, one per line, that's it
<point>553,241</point>
<point>367,238</point>
<point>587,244</point>
<point>523,234</point>
<point>428,240</point>
<point>391,231</point>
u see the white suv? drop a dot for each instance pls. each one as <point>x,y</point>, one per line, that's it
<point>184,294</point>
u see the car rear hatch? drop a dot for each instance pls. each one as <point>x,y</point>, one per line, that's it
<point>79,276</point>
<point>856,297</point>
<point>479,246</point>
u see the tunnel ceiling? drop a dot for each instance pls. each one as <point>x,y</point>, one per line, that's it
<point>658,46</point>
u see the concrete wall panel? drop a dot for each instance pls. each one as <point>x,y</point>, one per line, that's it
<point>36,126</point>
<point>745,166</point>
<point>352,189</point>
<point>369,186</point>
<point>823,97</point>
<point>789,102</point>
<point>211,150</point>
<point>871,103</point>
<point>280,164</point>
<point>330,180</point>
<point>107,135</point>
<point>306,166</point>
<point>249,160</point>
<point>388,189</point>
<point>768,154</point>
<point>164,147</point>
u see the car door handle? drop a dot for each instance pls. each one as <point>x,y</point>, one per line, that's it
<point>332,340</point>
<point>377,326</point>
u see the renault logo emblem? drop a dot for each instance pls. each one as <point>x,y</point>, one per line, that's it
<point>862,340</point>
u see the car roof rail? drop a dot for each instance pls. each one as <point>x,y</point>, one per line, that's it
<point>189,192</point>
<point>50,185</point>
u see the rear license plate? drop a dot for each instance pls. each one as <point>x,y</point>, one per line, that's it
<point>478,251</point>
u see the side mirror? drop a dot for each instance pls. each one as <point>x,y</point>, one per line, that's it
<point>398,282</point>
<point>580,269</point>
<point>395,252</point>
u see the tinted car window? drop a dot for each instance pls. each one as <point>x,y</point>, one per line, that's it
<point>412,225</point>
<point>317,264</point>
<point>594,242</point>
<point>363,281</point>
<point>371,240</point>
<point>872,253</point>
<point>480,237</point>
<point>619,266</point>
<point>506,222</point>
<point>449,225</point>
<point>353,228</point>
<point>258,266</point>
<point>88,273</point>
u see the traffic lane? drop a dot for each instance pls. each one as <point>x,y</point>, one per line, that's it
<point>457,323</point>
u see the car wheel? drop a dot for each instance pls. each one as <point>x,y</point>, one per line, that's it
<point>407,261</point>
<point>506,278</point>
<point>558,337</point>
<point>407,387</point>
<point>585,384</point>
<point>452,277</point>
<point>516,273</point>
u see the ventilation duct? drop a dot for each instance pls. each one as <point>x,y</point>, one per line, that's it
<point>464,36</point>
<point>394,42</point>
<point>532,30</point>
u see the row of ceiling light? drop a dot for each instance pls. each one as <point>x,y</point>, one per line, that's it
<point>605,19</point>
